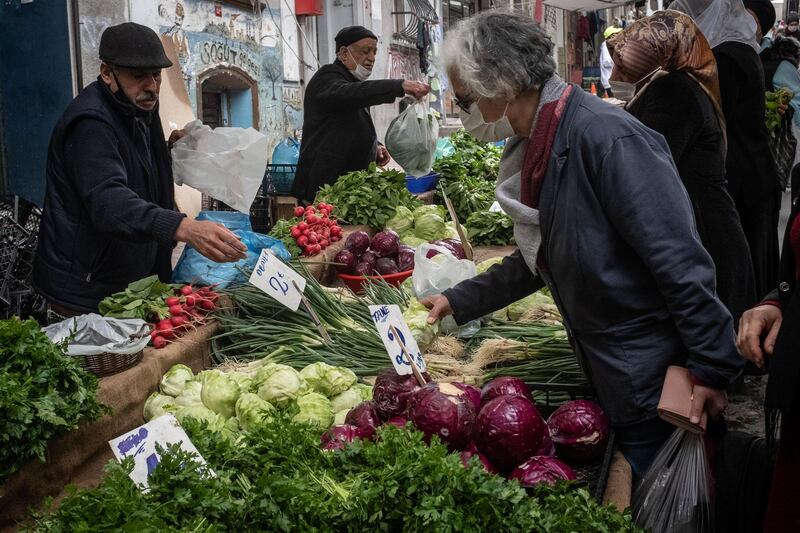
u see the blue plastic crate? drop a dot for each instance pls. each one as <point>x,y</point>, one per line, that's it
<point>282,177</point>
<point>422,184</point>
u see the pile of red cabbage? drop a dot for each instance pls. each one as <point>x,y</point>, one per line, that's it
<point>380,256</point>
<point>500,425</point>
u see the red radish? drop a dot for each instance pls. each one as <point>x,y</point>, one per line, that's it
<point>313,219</point>
<point>164,324</point>
<point>176,310</point>
<point>324,243</point>
<point>179,321</point>
<point>172,300</point>
<point>208,305</point>
<point>212,296</point>
<point>302,241</point>
<point>153,334</point>
<point>190,301</point>
<point>312,238</point>
<point>298,211</point>
<point>168,333</point>
<point>296,232</point>
<point>186,290</point>
<point>302,226</point>
<point>159,342</point>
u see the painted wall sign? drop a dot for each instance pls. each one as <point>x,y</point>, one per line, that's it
<point>213,53</point>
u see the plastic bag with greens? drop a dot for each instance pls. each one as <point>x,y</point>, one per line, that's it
<point>411,139</point>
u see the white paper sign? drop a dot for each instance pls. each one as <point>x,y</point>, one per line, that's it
<point>140,444</point>
<point>386,316</point>
<point>274,277</point>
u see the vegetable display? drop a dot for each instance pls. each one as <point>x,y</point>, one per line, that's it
<point>43,393</point>
<point>579,430</point>
<point>276,477</point>
<point>187,308</point>
<point>424,224</point>
<point>542,470</point>
<point>310,231</point>
<point>490,228</point>
<point>443,410</point>
<point>142,299</point>
<point>380,256</point>
<point>368,197</point>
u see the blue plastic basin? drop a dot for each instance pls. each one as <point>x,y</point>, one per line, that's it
<point>423,183</point>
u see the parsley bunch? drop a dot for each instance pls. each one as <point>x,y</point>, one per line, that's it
<point>43,392</point>
<point>275,478</point>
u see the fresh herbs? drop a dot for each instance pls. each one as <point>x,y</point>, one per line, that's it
<point>143,299</point>
<point>43,392</point>
<point>276,478</point>
<point>368,196</point>
<point>490,228</point>
<point>282,230</point>
<point>773,100</point>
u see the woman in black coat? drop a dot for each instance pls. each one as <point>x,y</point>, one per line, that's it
<point>750,169</point>
<point>678,96</point>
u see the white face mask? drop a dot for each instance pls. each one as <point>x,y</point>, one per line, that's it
<point>361,72</point>
<point>486,131</point>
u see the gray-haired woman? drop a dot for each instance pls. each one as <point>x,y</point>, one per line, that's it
<point>601,217</point>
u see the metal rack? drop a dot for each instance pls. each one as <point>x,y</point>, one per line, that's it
<point>19,231</point>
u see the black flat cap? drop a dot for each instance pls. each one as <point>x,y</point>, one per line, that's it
<point>351,34</point>
<point>132,45</point>
<point>765,12</point>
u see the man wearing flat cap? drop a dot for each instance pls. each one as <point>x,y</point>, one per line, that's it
<point>109,211</point>
<point>338,133</point>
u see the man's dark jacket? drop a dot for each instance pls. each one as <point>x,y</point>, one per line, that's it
<point>109,216</point>
<point>338,134</point>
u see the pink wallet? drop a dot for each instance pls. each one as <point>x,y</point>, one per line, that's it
<point>676,400</point>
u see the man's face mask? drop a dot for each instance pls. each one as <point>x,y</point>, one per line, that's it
<point>361,72</point>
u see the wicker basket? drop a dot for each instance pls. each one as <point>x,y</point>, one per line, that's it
<point>107,364</point>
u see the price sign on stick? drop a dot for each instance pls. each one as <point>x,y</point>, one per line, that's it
<point>274,277</point>
<point>397,339</point>
<point>141,442</point>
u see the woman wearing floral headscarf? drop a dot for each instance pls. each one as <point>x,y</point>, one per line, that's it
<point>677,94</point>
<point>750,168</point>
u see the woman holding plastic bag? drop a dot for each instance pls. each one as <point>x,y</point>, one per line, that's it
<point>600,217</point>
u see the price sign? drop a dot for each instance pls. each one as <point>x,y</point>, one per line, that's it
<point>140,444</point>
<point>389,319</point>
<point>274,277</point>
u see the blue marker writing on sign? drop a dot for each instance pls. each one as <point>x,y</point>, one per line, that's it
<point>132,441</point>
<point>380,315</point>
<point>277,285</point>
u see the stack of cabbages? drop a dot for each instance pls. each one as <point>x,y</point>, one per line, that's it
<point>232,401</point>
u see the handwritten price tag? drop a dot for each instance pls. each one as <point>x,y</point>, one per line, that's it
<point>386,316</point>
<point>274,277</point>
<point>140,444</point>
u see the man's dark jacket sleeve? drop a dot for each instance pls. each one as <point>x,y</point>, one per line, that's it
<point>101,180</point>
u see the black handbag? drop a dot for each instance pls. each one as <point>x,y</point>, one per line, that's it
<point>782,144</point>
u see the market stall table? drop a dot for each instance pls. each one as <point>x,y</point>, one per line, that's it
<point>78,457</point>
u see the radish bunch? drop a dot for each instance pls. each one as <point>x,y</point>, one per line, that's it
<point>316,229</point>
<point>188,308</point>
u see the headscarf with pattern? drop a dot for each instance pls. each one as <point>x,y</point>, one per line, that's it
<point>666,41</point>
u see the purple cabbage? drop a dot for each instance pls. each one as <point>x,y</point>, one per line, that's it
<point>365,417</point>
<point>405,259</point>
<point>505,386</point>
<point>348,260</point>
<point>385,243</point>
<point>386,266</point>
<point>364,269</point>
<point>472,393</point>
<point>392,392</point>
<point>542,470</point>
<point>357,242</point>
<point>337,437</point>
<point>579,430</point>
<point>443,410</point>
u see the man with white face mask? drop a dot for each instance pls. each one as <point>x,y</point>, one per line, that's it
<point>338,133</point>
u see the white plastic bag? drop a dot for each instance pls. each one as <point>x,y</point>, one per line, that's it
<point>675,494</point>
<point>227,164</point>
<point>95,334</point>
<point>439,273</point>
<point>411,139</point>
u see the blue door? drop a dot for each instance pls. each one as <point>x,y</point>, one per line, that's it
<point>36,86</point>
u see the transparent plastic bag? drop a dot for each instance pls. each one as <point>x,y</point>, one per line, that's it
<point>436,275</point>
<point>411,139</point>
<point>227,164</point>
<point>676,491</point>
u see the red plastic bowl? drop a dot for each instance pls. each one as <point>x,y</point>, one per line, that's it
<point>356,283</point>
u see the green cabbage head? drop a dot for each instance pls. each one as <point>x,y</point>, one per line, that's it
<point>430,227</point>
<point>278,384</point>
<point>314,408</point>
<point>157,405</point>
<point>328,380</point>
<point>402,222</point>
<point>250,409</point>
<point>219,393</point>
<point>190,395</point>
<point>175,379</point>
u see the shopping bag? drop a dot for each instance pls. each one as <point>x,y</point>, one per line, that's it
<point>227,164</point>
<point>675,493</point>
<point>194,268</point>
<point>782,145</point>
<point>438,273</point>
<point>411,138</point>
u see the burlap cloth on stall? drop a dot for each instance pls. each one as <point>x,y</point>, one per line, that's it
<point>78,457</point>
